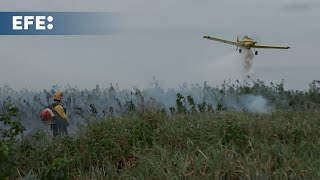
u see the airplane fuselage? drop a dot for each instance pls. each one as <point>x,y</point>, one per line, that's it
<point>247,43</point>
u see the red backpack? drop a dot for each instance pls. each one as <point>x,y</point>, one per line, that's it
<point>46,116</point>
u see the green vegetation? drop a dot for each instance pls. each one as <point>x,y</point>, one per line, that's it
<point>9,118</point>
<point>220,145</point>
<point>189,140</point>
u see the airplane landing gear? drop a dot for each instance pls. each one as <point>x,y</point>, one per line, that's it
<point>256,52</point>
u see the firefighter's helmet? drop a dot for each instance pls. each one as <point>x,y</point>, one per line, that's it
<point>57,96</point>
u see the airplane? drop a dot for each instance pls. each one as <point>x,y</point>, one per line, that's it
<point>246,43</point>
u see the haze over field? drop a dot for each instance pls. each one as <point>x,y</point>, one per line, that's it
<point>163,38</point>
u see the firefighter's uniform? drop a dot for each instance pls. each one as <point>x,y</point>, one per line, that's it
<point>60,120</point>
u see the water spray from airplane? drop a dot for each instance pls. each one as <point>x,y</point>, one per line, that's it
<point>247,60</point>
<point>246,45</point>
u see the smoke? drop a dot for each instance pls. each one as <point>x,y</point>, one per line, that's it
<point>101,102</point>
<point>255,103</point>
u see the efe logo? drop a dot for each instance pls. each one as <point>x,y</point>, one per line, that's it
<point>23,22</point>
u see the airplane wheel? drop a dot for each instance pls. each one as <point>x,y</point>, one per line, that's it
<point>256,53</point>
<point>240,50</point>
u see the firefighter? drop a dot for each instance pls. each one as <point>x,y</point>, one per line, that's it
<point>60,120</point>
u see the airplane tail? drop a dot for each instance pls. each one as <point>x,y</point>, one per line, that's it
<point>238,38</point>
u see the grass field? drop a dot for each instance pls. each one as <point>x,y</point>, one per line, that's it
<point>186,141</point>
<point>226,145</point>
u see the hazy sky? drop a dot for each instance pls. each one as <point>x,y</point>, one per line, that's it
<point>163,38</point>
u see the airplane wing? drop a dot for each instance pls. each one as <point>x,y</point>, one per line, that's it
<point>222,40</point>
<point>270,47</point>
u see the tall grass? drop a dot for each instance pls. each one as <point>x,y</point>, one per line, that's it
<point>198,133</point>
<point>227,145</point>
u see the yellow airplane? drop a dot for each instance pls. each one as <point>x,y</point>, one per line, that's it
<point>246,43</point>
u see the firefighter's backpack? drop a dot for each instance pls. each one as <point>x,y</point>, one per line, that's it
<point>46,116</point>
